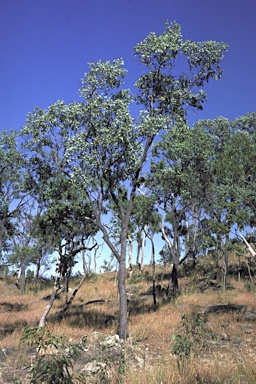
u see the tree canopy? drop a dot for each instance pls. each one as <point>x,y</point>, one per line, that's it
<point>91,166</point>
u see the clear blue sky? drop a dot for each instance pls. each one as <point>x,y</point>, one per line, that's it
<point>45,46</point>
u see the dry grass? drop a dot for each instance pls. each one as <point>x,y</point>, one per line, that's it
<point>230,360</point>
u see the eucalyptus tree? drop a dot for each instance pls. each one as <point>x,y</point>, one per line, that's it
<point>232,164</point>
<point>104,148</point>
<point>23,246</point>
<point>243,162</point>
<point>226,206</point>
<point>61,225</point>
<point>13,196</point>
<point>179,177</point>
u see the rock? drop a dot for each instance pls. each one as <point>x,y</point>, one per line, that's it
<point>94,367</point>
<point>13,286</point>
<point>250,316</point>
<point>224,308</point>
<point>150,290</point>
<point>110,341</point>
<point>246,327</point>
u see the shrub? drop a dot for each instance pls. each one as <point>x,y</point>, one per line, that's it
<point>54,357</point>
<point>193,336</point>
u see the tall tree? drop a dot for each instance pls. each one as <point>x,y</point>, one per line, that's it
<point>105,148</point>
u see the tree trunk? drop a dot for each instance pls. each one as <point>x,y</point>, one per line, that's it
<point>138,251</point>
<point>38,266</point>
<point>130,254</point>
<point>22,278</point>
<point>224,270</point>
<point>153,263</point>
<point>143,248</point>
<point>56,288</point>
<point>251,250</point>
<point>2,229</point>
<point>123,321</point>
<point>173,287</point>
<point>49,305</point>
<point>69,302</point>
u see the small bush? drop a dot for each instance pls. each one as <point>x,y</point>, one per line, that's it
<point>54,359</point>
<point>192,337</point>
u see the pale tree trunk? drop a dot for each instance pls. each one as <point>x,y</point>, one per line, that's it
<point>224,270</point>
<point>143,241</point>
<point>122,291</point>
<point>38,266</point>
<point>69,300</point>
<point>138,251</point>
<point>153,264</point>
<point>173,287</point>
<point>22,277</point>
<point>2,230</point>
<point>49,305</point>
<point>56,288</point>
<point>121,258</point>
<point>251,250</point>
<point>130,254</point>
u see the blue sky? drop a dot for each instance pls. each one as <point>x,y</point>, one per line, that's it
<point>45,46</point>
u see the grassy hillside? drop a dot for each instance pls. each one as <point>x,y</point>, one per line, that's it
<point>148,356</point>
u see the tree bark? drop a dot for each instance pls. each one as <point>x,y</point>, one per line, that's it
<point>138,251</point>
<point>69,302</point>
<point>143,240</point>
<point>251,250</point>
<point>2,230</point>
<point>38,266</point>
<point>130,252</point>
<point>123,321</point>
<point>49,305</point>
<point>153,271</point>
<point>173,287</point>
<point>22,277</point>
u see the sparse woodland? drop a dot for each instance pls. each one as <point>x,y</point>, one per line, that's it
<point>127,167</point>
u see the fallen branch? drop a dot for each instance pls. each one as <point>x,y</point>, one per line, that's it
<point>94,302</point>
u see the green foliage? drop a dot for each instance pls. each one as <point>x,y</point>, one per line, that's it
<point>137,277</point>
<point>99,148</point>
<point>193,336</point>
<point>12,191</point>
<point>30,274</point>
<point>162,89</point>
<point>54,359</point>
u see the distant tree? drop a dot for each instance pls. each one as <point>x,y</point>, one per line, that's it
<point>63,223</point>
<point>179,177</point>
<point>231,165</point>
<point>13,196</point>
<point>23,249</point>
<point>227,207</point>
<point>104,147</point>
<point>242,159</point>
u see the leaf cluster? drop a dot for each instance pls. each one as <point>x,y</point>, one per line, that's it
<point>193,336</point>
<point>55,356</point>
